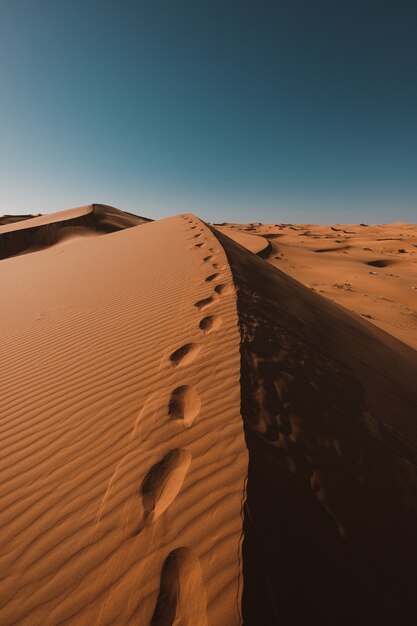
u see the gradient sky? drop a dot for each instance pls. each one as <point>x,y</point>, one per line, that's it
<point>292,110</point>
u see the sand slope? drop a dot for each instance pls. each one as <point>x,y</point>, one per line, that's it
<point>122,460</point>
<point>40,232</point>
<point>252,242</point>
<point>329,404</point>
<point>43,220</point>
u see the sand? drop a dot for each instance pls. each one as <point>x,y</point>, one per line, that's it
<point>121,435</point>
<point>369,269</point>
<point>36,233</point>
<point>250,242</point>
<point>190,436</point>
<point>329,404</point>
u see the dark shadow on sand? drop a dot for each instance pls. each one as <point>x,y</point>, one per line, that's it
<point>329,408</point>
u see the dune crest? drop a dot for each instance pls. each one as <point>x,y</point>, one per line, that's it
<point>122,445</point>
<point>40,232</point>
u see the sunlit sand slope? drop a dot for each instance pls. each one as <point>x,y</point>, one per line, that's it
<point>251,242</point>
<point>369,269</point>
<point>330,410</point>
<point>122,453</point>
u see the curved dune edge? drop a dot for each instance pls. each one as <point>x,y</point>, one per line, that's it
<point>33,221</point>
<point>253,243</point>
<point>52,218</point>
<point>329,405</point>
<point>6,219</point>
<point>39,233</point>
<point>107,501</point>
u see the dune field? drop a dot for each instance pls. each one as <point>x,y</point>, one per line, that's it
<point>207,425</point>
<point>369,269</point>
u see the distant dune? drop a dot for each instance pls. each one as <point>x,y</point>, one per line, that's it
<point>38,232</point>
<point>369,269</point>
<point>253,243</point>
<point>191,436</point>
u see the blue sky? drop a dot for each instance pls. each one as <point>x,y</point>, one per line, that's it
<point>290,110</point>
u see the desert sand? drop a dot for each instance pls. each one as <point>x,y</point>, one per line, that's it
<point>207,425</point>
<point>369,269</point>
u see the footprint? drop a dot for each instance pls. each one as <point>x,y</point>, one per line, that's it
<point>203,304</point>
<point>184,405</point>
<point>199,245</point>
<point>210,323</point>
<point>193,227</point>
<point>223,288</point>
<point>207,258</point>
<point>163,482</point>
<point>197,235</point>
<point>211,277</point>
<point>185,354</point>
<point>182,596</point>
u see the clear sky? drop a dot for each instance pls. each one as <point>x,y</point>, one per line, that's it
<point>293,110</point>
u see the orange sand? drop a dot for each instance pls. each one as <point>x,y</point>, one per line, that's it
<point>91,358</point>
<point>189,436</point>
<point>370,270</point>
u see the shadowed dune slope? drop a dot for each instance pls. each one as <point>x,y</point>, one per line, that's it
<point>38,232</point>
<point>122,452</point>
<point>13,219</point>
<point>329,404</point>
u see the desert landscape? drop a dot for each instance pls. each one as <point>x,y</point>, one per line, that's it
<point>207,424</point>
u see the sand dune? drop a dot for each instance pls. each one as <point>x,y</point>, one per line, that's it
<point>44,220</point>
<point>370,270</point>
<point>12,219</point>
<point>253,243</point>
<point>121,433</point>
<point>189,436</point>
<point>40,232</point>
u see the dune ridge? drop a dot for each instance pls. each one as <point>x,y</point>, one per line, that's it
<point>252,242</point>
<point>39,232</point>
<point>11,219</point>
<point>99,483</point>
